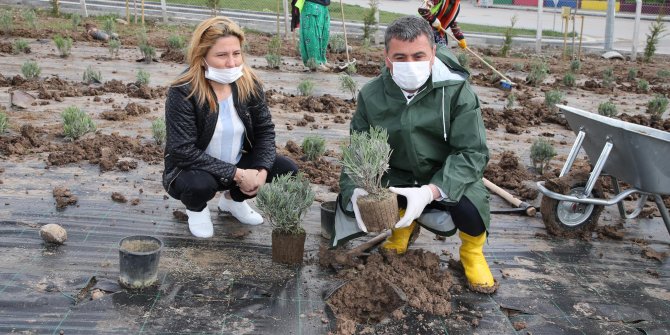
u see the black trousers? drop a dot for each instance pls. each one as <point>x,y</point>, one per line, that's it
<point>464,213</point>
<point>196,187</point>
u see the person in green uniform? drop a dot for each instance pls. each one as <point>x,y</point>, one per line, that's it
<point>434,122</point>
<point>314,31</point>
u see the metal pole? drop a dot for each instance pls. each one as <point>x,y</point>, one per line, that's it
<point>609,25</point>
<point>84,12</point>
<point>164,11</point>
<point>286,19</point>
<point>538,35</point>
<point>636,28</point>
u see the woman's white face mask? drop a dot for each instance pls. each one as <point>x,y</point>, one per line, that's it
<point>223,76</point>
<point>410,75</point>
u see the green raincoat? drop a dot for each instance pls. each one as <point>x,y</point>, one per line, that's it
<point>437,138</point>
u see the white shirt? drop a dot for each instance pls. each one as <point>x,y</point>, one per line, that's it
<point>226,143</point>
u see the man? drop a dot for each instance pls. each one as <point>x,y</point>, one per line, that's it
<point>439,153</point>
<point>443,14</point>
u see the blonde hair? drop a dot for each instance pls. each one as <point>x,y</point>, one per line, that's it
<point>204,37</point>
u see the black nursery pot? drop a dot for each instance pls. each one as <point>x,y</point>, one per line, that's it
<point>138,261</point>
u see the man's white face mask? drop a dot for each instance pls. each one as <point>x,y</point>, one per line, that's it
<point>410,75</point>
<point>223,76</point>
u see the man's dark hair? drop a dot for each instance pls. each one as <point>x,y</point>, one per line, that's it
<point>408,28</point>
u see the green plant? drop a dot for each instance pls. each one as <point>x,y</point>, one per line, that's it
<point>148,52</point>
<point>176,42</point>
<point>351,68</point>
<point>158,130</point>
<point>657,106</point>
<point>551,98</point>
<point>275,44</point>
<point>31,18</point>
<point>285,201</point>
<point>348,85</point>
<point>274,60</point>
<point>508,37</point>
<point>608,77</point>
<point>632,74</point>
<point>306,87</point>
<point>20,46</point>
<point>142,77</point>
<point>539,70</point>
<point>643,85</point>
<point>113,46</point>
<point>569,79</point>
<point>663,73</point>
<point>575,66</point>
<point>76,123</point>
<point>75,19</point>
<point>369,21</point>
<point>541,152</point>
<point>91,76</point>
<point>607,108</point>
<point>4,121</point>
<point>366,158</point>
<point>30,69</point>
<point>311,64</point>
<point>511,99</point>
<point>463,59</point>
<point>109,25</point>
<point>214,5</point>
<point>6,21</point>
<point>313,147</point>
<point>656,30</point>
<point>337,43</point>
<point>63,45</point>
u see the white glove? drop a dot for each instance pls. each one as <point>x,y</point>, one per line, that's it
<point>358,192</point>
<point>417,199</point>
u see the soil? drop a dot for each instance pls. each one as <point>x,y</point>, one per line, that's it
<point>140,245</point>
<point>53,233</point>
<point>508,173</point>
<point>173,55</point>
<point>180,215</point>
<point>118,197</point>
<point>417,274</point>
<point>64,197</point>
<point>322,171</point>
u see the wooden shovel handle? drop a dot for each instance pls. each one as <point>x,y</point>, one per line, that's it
<point>502,193</point>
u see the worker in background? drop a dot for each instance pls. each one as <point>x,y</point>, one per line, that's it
<point>314,26</point>
<point>443,13</point>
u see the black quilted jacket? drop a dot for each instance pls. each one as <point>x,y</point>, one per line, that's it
<point>190,128</point>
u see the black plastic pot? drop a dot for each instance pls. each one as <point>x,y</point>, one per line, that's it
<point>138,261</point>
<point>328,219</point>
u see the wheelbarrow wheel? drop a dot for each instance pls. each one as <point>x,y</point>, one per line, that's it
<point>567,218</point>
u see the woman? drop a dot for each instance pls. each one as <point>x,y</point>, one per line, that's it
<point>314,32</point>
<point>443,13</point>
<point>220,135</point>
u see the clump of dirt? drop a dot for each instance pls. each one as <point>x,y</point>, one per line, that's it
<point>173,55</point>
<point>30,140</point>
<point>322,104</point>
<point>519,325</point>
<point>104,149</point>
<point>510,174</point>
<point>239,233</point>
<point>64,197</point>
<point>140,245</point>
<point>126,165</point>
<point>368,300</point>
<point>368,69</point>
<point>650,253</point>
<point>417,274</point>
<point>6,48</point>
<point>131,109</point>
<point>179,215</point>
<point>53,233</point>
<point>118,197</point>
<point>321,171</point>
<point>647,121</point>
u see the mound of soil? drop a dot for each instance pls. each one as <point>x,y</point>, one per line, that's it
<point>29,141</point>
<point>173,55</point>
<point>647,121</point>
<point>105,150</point>
<point>417,274</point>
<point>322,104</point>
<point>6,48</point>
<point>131,109</point>
<point>508,173</point>
<point>321,171</point>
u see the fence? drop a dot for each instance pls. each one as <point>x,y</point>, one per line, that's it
<point>653,7</point>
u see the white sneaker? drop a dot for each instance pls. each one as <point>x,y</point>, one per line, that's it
<point>240,210</point>
<point>200,223</point>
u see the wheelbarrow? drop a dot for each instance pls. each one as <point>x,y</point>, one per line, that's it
<point>627,152</point>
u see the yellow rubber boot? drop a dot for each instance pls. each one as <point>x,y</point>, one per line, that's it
<point>399,239</point>
<point>472,257</point>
